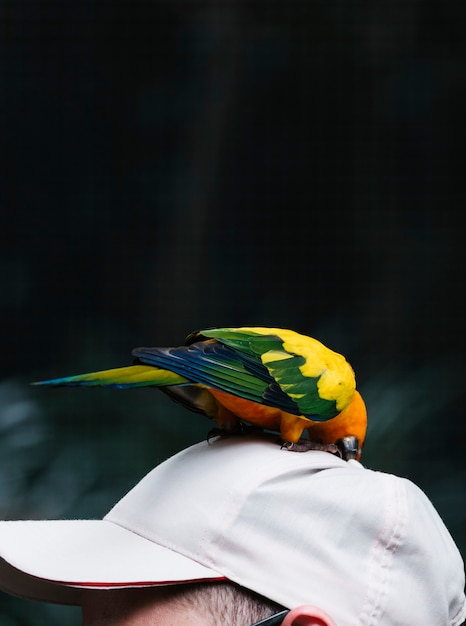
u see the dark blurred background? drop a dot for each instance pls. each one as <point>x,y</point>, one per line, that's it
<point>167,166</point>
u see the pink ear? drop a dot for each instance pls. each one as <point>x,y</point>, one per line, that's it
<point>308,615</point>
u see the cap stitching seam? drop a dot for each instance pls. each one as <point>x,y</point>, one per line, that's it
<point>383,551</point>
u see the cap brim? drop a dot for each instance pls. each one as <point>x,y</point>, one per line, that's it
<point>53,561</point>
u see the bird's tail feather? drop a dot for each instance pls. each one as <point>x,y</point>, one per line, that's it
<point>120,378</point>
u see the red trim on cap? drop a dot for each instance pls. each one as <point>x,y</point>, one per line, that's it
<point>135,584</point>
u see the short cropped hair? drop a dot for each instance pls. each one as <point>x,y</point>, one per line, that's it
<point>224,603</point>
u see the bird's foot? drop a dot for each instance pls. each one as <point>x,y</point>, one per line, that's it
<point>304,445</point>
<point>239,430</point>
<point>346,448</point>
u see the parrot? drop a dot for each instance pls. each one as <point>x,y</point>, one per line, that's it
<point>252,378</point>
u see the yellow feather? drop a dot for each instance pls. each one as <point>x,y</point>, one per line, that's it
<point>337,380</point>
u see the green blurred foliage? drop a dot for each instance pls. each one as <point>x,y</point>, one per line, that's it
<point>170,165</point>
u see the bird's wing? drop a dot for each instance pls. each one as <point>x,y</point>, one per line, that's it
<point>275,367</point>
<point>319,381</point>
<point>214,364</point>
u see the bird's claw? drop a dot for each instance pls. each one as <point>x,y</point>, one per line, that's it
<point>346,448</point>
<point>304,445</point>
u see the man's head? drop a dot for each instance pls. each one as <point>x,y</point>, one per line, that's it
<point>297,529</point>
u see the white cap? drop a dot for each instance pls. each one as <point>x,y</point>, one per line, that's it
<point>298,528</point>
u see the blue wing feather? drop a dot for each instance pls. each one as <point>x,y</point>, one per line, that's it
<point>216,365</point>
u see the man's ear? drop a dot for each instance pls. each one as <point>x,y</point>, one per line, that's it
<point>308,615</point>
